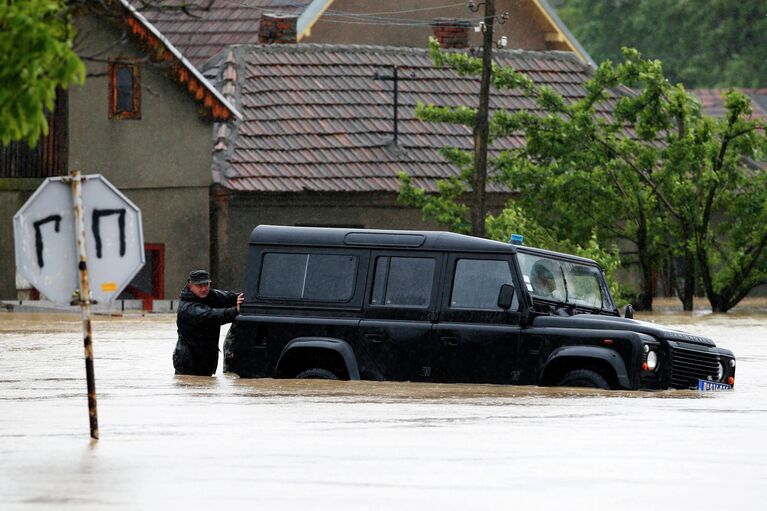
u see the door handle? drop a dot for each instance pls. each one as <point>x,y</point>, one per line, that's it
<point>449,341</point>
<point>373,337</point>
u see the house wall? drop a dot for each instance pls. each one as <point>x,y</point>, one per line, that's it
<point>161,162</point>
<point>521,29</point>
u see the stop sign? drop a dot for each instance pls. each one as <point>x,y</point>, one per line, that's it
<point>44,235</point>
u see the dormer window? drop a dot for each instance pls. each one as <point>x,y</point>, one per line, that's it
<point>124,91</point>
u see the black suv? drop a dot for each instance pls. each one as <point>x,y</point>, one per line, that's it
<point>443,307</point>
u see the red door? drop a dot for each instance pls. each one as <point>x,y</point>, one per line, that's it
<point>148,285</point>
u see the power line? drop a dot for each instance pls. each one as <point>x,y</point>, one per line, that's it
<point>434,8</point>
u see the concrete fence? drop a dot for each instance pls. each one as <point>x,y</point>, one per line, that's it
<point>116,307</point>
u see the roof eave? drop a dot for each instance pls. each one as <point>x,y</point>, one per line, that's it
<point>185,73</point>
<point>569,39</point>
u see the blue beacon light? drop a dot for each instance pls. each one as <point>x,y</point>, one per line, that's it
<point>517,239</point>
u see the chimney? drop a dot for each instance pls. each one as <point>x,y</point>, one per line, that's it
<point>451,32</point>
<point>277,29</point>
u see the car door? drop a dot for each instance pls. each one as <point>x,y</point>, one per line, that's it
<point>399,312</point>
<point>475,341</point>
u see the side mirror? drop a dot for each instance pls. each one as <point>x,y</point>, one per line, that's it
<point>505,296</point>
<point>629,314</point>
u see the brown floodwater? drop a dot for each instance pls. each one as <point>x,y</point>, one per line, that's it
<point>184,442</point>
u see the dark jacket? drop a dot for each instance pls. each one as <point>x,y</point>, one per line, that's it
<point>199,323</point>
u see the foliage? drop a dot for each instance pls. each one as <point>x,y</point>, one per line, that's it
<point>36,57</point>
<point>715,44</point>
<point>641,164</point>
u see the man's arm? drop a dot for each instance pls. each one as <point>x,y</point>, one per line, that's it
<point>198,313</point>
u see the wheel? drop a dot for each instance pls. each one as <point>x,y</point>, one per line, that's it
<point>583,378</point>
<point>317,373</point>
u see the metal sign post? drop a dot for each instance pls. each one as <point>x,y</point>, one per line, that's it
<point>84,299</point>
<point>63,209</point>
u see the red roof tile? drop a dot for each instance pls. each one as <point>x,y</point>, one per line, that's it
<point>712,101</point>
<point>315,118</point>
<point>203,27</point>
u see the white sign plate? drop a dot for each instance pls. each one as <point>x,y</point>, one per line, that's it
<point>44,234</point>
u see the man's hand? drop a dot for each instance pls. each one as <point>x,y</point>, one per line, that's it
<point>240,299</point>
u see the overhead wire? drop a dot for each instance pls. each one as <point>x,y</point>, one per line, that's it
<point>374,18</point>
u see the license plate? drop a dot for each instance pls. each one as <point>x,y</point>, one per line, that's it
<point>713,385</point>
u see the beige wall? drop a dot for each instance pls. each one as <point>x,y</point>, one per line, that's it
<point>178,218</point>
<point>161,162</point>
<point>169,146</point>
<point>521,29</point>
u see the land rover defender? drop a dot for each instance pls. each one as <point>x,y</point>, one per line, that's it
<point>442,307</point>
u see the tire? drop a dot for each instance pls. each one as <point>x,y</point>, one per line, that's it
<point>583,378</point>
<point>317,373</point>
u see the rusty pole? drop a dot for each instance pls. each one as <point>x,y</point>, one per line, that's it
<point>85,299</point>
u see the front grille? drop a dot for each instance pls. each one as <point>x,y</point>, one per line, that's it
<point>690,363</point>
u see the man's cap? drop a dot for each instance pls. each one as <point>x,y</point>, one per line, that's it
<point>199,277</point>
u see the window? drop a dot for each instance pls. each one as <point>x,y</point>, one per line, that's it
<point>403,281</point>
<point>124,91</point>
<point>476,284</point>
<point>315,277</point>
<point>565,281</point>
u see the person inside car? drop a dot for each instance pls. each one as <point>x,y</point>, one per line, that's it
<point>542,280</point>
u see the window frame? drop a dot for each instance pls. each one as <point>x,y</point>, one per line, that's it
<point>374,267</point>
<point>404,312</point>
<point>454,267</point>
<point>449,314</point>
<point>114,68</point>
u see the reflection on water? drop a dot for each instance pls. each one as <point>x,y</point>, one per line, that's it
<point>186,441</point>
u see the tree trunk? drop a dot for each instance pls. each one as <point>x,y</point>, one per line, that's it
<point>686,292</point>
<point>644,303</point>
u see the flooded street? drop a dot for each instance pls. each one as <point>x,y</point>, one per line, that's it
<point>183,442</point>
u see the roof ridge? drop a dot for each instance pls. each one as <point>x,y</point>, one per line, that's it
<point>402,50</point>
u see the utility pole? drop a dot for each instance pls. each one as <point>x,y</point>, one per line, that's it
<point>482,126</point>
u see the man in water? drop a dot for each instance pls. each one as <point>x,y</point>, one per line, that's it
<point>201,312</point>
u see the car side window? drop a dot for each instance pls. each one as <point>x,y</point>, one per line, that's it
<point>476,284</point>
<point>314,277</point>
<point>403,281</point>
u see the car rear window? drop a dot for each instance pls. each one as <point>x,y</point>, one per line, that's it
<point>314,277</point>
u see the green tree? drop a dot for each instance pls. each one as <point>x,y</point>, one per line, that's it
<point>716,43</point>
<point>654,172</point>
<point>569,191</point>
<point>36,57</point>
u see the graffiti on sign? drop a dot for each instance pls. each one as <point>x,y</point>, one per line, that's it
<point>96,224</point>
<point>39,235</point>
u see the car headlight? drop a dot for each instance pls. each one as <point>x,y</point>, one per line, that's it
<point>732,363</point>
<point>719,372</point>
<point>652,360</point>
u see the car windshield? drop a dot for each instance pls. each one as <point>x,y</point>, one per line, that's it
<point>564,281</point>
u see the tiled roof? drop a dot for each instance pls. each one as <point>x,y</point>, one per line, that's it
<point>712,101</point>
<point>315,118</point>
<point>205,27</point>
